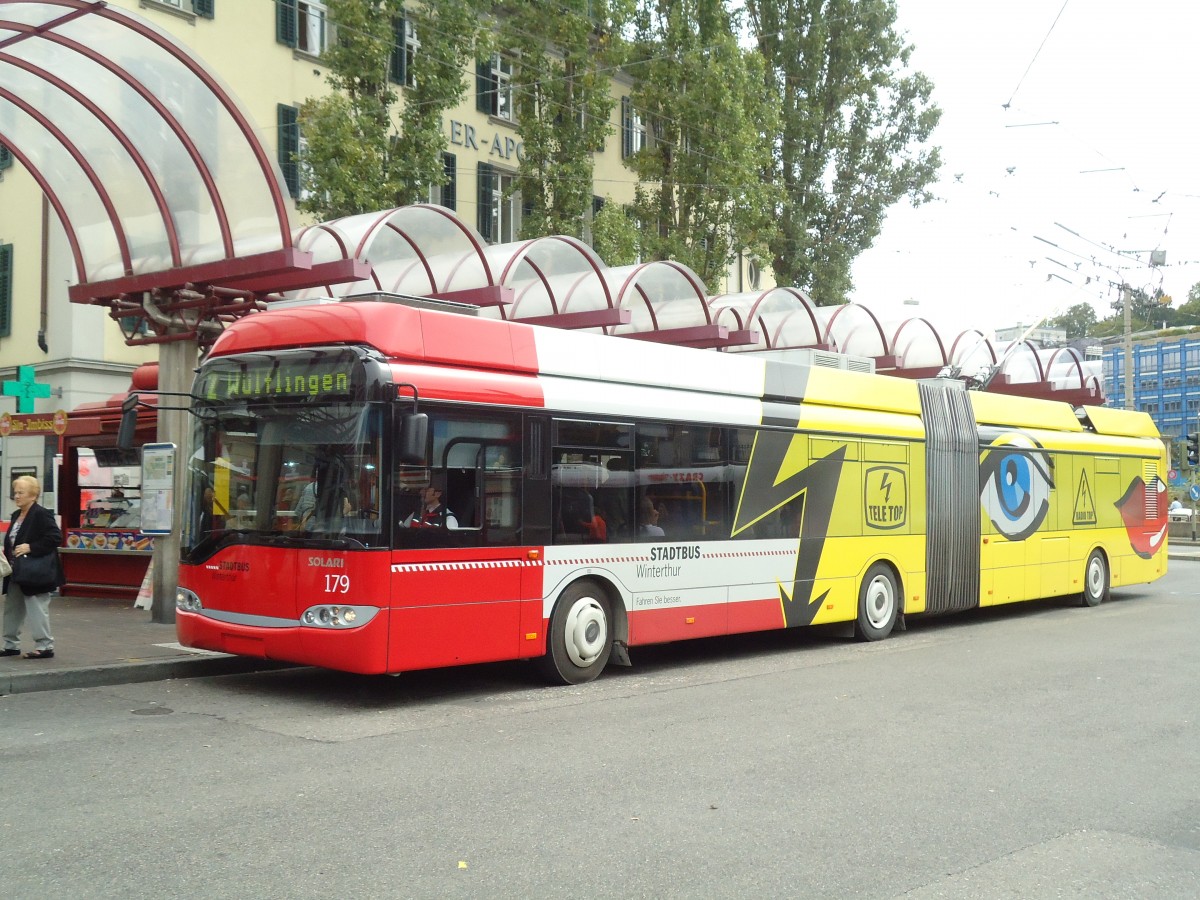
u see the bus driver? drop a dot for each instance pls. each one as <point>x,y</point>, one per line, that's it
<point>432,513</point>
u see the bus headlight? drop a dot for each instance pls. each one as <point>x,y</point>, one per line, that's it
<point>187,600</point>
<point>334,616</point>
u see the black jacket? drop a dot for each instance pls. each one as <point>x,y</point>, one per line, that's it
<point>39,531</point>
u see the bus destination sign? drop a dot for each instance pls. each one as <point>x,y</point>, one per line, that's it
<point>280,379</point>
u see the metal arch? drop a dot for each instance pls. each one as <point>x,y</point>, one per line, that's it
<point>369,232</point>
<point>804,302</point>
<point>86,167</point>
<point>471,237</point>
<point>81,7</point>
<point>878,327</point>
<point>1032,352</point>
<point>579,246</point>
<point>688,276</point>
<point>325,227</point>
<point>52,197</point>
<point>176,128</point>
<point>1074,357</point>
<point>418,256</point>
<point>540,279</point>
<point>117,132</point>
<point>595,264</point>
<point>983,341</point>
<point>937,337</point>
<point>231,108</point>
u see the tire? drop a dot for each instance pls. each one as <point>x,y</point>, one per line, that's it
<point>1095,580</point>
<point>878,604</point>
<point>580,638</point>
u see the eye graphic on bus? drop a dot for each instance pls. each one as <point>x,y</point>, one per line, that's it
<point>1015,480</point>
<point>1144,511</point>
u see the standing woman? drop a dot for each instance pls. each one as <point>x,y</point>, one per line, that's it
<point>32,532</point>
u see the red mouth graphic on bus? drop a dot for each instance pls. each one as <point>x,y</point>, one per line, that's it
<point>1146,533</point>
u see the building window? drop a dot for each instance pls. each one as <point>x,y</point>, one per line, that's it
<point>6,157</point>
<point>633,129</point>
<point>493,88</point>
<point>6,289</point>
<point>446,194</point>
<point>289,147</point>
<point>404,52</point>
<point>499,206</point>
<point>302,25</point>
<point>203,8</point>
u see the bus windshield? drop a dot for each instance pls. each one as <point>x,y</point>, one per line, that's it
<point>285,473</point>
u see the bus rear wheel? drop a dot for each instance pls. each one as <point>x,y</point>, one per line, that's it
<point>1095,579</point>
<point>580,638</point>
<point>878,604</point>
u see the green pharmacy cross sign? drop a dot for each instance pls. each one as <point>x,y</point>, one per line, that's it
<point>25,389</point>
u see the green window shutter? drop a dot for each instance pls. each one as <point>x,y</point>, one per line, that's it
<point>285,22</point>
<point>204,8</point>
<point>289,146</point>
<point>6,289</point>
<point>487,196</point>
<point>485,87</point>
<point>626,128</point>
<point>398,65</point>
<point>450,188</point>
<point>6,157</point>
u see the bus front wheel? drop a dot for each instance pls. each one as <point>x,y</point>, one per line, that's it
<point>580,638</point>
<point>878,604</point>
<point>1095,579</point>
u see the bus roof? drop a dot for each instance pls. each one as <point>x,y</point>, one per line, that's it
<point>408,334</point>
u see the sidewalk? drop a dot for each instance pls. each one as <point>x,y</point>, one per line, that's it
<point>99,642</point>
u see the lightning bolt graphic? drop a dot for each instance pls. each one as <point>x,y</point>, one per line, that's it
<point>767,489</point>
<point>886,485</point>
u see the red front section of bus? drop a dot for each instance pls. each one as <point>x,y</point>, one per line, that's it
<point>447,608</point>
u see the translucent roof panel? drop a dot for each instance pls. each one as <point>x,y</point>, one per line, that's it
<point>918,345</point>
<point>660,295</point>
<point>552,275</point>
<point>853,329</point>
<point>783,315</point>
<point>148,160</point>
<point>419,250</point>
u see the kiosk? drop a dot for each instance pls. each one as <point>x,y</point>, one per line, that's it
<point>105,553</point>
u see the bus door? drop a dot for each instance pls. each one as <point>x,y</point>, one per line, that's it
<point>457,569</point>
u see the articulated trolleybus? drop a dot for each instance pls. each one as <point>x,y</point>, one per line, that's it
<point>379,487</point>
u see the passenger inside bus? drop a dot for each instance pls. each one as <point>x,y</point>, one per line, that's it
<point>648,518</point>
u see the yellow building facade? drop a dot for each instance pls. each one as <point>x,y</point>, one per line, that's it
<point>268,53</point>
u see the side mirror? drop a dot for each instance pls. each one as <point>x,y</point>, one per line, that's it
<point>414,437</point>
<point>128,427</point>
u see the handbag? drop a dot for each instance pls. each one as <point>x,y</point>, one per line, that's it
<point>5,568</point>
<point>36,574</point>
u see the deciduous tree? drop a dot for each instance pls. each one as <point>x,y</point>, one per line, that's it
<point>364,153</point>
<point>856,126</point>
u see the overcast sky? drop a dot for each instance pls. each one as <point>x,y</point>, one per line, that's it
<point>1119,166</point>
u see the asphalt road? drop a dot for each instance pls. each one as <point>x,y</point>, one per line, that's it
<point>1038,751</point>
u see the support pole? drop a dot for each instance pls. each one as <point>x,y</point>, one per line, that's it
<point>176,366</point>
<point>1127,304</point>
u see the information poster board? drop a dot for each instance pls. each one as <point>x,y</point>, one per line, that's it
<point>158,488</point>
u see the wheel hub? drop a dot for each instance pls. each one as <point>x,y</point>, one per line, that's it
<point>586,632</point>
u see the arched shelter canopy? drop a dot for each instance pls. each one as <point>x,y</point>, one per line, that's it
<point>147,159</point>
<point>783,315</point>
<point>558,281</point>
<point>427,251</point>
<point>918,347</point>
<point>421,250</point>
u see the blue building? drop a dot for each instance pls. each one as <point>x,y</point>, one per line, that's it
<point>1166,381</point>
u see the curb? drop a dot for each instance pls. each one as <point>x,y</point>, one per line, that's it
<point>132,673</point>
